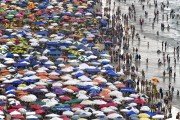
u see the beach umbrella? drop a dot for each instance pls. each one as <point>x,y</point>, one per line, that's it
<point>158,116</point>
<point>31,117</point>
<point>139,101</point>
<point>51,115</point>
<point>15,113</point>
<point>143,115</point>
<point>17,117</point>
<point>156,80</point>
<point>2,97</point>
<point>114,115</point>
<point>28,98</point>
<point>50,95</point>
<point>68,113</point>
<point>144,119</point>
<point>145,108</point>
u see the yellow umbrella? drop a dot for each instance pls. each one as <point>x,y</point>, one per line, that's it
<point>144,119</point>
<point>82,119</point>
<point>155,80</point>
<point>143,115</point>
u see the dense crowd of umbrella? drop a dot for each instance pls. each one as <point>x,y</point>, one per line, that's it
<point>53,65</point>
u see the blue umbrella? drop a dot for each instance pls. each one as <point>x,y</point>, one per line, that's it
<point>128,90</point>
<point>39,23</point>
<point>20,65</point>
<point>42,33</point>
<point>78,74</point>
<point>93,70</point>
<point>129,81</point>
<point>17,82</point>
<point>10,88</point>
<point>9,55</point>
<point>90,45</point>
<point>151,114</point>
<point>130,113</point>
<point>112,73</point>
<point>51,43</point>
<point>30,81</point>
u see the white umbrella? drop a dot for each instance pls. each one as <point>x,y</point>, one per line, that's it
<point>107,110</point>
<point>158,117</point>
<point>87,102</point>
<point>71,82</point>
<point>52,115</point>
<point>2,97</point>
<point>145,108</point>
<point>2,65</point>
<point>115,93</point>
<point>50,95</point>
<point>132,104</point>
<point>114,115</point>
<point>28,98</point>
<point>40,83</point>
<point>56,118</point>
<point>68,113</point>
<point>1,113</point>
<point>22,110</point>
<point>83,97</point>
<point>84,78</point>
<point>124,110</point>
<point>31,117</point>
<point>30,73</point>
<point>99,102</point>
<point>30,113</point>
<point>2,117</point>
<point>58,84</point>
<point>15,113</point>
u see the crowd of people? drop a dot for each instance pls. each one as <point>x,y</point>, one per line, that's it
<point>64,59</point>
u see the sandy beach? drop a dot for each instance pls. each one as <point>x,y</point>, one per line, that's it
<point>155,43</point>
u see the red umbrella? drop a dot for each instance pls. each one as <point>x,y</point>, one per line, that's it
<point>64,117</point>
<point>40,111</point>
<point>35,106</point>
<point>1,108</point>
<point>78,106</point>
<point>18,117</point>
<point>139,101</point>
<point>108,105</point>
<point>18,106</point>
<point>11,110</point>
<point>65,98</point>
<point>6,21</point>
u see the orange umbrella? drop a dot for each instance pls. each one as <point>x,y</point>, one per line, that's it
<point>54,77</point>
<point>120,85</point>
<point>18,91</point>
<point>4,71</point>
<point>97,81</point>
<point>20,96</point>
<point>156,80</point>
<point>75,89</point>
<point>105,94</point>
<point>40,87</point>
<point>22,93</point>
<point>44,77</point>
<point>21,71</point>
<point>42,74</point>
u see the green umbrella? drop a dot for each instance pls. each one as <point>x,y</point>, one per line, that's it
<point>14,12</point>
<point>39,103</point>
<point>1,10</point>
<point>73,101</point>
<point>27,13</point>
<point>26,20</point>
<point>41,17</point>
<point>9,16</point>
